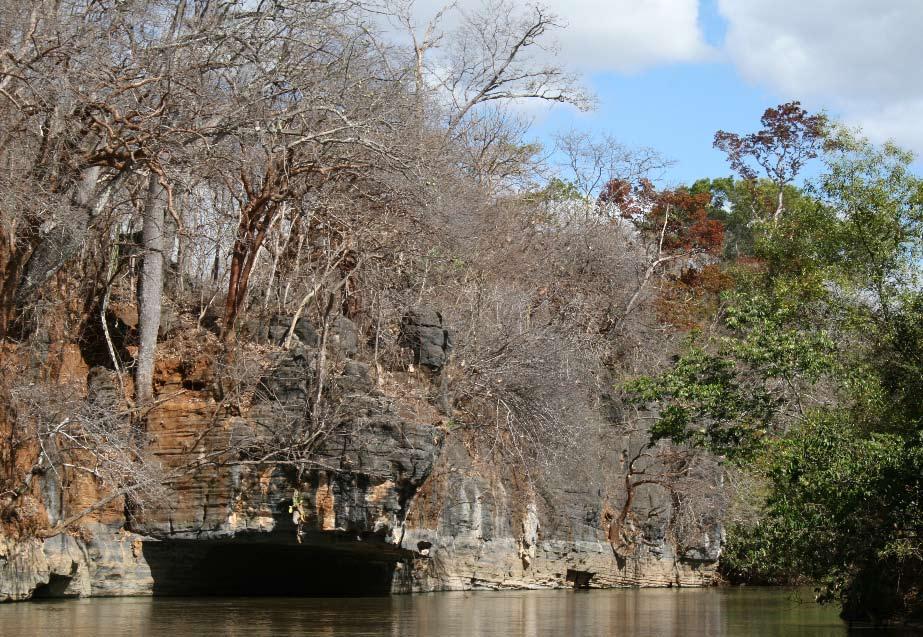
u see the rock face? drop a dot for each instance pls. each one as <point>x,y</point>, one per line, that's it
<point>422,330</point>
<point>350,502</point>
<point>484,533</point>
<point>103,561</point>
<point>354,495</point>
<point>275,330</point>
<point>389,503</point>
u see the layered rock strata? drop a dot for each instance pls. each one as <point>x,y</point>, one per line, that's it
<point>390,502</point>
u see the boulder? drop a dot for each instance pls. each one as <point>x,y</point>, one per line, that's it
<point>423,331</point>
<point>278,327</point>
<point>345,335</point>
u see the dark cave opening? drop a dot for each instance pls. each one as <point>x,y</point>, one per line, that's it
<point>55,587</point>
<point>579,579</point>
<point>243,568</point>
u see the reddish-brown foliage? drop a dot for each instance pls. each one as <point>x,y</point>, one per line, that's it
<point>623,196</point>
<point>676,219</point>
<point>690,299</point>
<point>789,138</point>
<point>682,218</point>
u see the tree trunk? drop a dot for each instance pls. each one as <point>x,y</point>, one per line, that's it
<point>251,233</point>
<point>169,241</point>
<point>64,240</point>
<point>238,256</point>
<point>151,289</point>
<point>779,205</point>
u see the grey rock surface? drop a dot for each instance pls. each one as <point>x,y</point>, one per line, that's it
<point>486,532</point>
<point>387,489</point>
<point>423,331</point>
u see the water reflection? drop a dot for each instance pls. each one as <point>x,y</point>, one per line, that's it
<point>720,612</point>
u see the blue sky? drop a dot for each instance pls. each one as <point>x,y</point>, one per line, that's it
<point>669,73</point>
<point>673,109</point>
<point>859,60</point>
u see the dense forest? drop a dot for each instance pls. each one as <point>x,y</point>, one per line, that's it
<point>223,181</point>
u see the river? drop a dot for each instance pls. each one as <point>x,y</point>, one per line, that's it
<point>621,613</point>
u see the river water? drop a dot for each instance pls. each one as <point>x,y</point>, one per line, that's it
<point>617,613</point>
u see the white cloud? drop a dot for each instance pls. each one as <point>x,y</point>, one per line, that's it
<point>613,35</point>
<point>900,121</point>
<point>630,35</point>
<point>861,58</point>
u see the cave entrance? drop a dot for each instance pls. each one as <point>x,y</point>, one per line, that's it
<point>55,587</point>
<point>579,579</point>
<point>235,568</point>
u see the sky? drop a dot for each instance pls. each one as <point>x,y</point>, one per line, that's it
<point>669,73</point>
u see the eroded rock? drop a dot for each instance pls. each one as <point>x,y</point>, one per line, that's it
<point>423,331</point>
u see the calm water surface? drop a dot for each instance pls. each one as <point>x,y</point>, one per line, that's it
<point>622,613</point>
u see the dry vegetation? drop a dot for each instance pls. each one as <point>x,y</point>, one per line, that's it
<point>184,174</point>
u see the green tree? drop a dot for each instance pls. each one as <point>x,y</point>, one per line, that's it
<point>815,379</point>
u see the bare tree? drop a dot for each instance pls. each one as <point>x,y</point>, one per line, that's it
<point>472,66</point>
<point>590,161</point>
<point>77,438</point>
<point>691,509</point>
<point>492,57</point>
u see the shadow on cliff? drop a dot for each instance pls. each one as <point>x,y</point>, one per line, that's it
<point>243,567</point>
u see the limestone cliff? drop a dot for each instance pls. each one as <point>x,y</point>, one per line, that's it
<point>392,502</point>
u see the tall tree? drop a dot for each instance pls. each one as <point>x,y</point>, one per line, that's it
<point>790,137</point>
<point>150,283</point>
